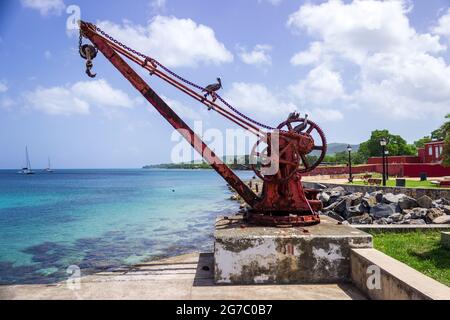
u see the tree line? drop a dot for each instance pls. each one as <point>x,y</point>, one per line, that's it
<point>397,146</point>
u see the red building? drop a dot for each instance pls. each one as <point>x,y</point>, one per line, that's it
<point>428,160</point>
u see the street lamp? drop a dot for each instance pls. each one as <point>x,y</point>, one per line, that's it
<point>387,165</point>
<point>350,177</point>
<point>383,144</point>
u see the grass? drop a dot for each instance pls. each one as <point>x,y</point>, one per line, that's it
<point>419,250</point>
<point>409,183</point>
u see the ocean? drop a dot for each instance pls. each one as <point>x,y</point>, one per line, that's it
<point>103,219</point>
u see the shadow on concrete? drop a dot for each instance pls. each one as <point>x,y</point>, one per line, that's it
<point>204,275</point>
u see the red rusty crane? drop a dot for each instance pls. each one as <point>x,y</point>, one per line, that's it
<point>279,151</point>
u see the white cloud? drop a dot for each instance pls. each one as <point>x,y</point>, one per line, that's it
<point>258,56</point>
<point>3,87</point>
<point>182,110</point>
<point>310,56</point>
<point>325,115</point>
<point>393,68</point>
<point>78,98</point>
<point>258,99</point>
<point>6,103</point>
<point>443,26</point>
<point>174,42</point>
<point>361,28</point>
<point>45,7</point>
<point>321,86</point>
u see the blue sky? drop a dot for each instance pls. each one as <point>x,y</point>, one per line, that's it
<point>352,66</point>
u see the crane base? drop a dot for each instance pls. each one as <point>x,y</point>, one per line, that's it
<point>248,254</point>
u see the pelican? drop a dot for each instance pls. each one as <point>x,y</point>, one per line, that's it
<point>212,88</point>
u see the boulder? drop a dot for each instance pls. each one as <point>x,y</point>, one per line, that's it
<point>354,211</point>
<point>335,216</point>
<point>337,192</point>
<point>324,198</point>
<point>419,213</point>
<point>446,209</point>
<point>407,202</point>
<point>397,217</point>
<point>369,201</point>
<point>425,202</point>
<point>407,212</point>
<point>383,221</point>
<point>342,206</point>
<point>383,210</point>
<point>362,219</point>
<point>392,198</point>
<point>355,198</point>
<point>445,219</point>
<point>378,195</point>
<point>432,214</point>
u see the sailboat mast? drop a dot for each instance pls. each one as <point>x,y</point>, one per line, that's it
<point>28,158</point>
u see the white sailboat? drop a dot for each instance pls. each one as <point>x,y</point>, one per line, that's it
<point>27,169</point>
<point>49,168</point>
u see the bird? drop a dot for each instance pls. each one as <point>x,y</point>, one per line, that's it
<point>212,88</point>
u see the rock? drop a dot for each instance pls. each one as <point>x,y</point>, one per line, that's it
<point>342,206</point>
<point>392,198</point>
<point>432,214</point>
<point>362,219</point>
<point>378,195</point>
<point>354,211</point>
<point>419,213</point>
<point>445,219</point>
<point>337,192</point>
<point>383,221</point>
<point>397,217</point>
<point>234,197</point>
<point>415,221</point>
<point>383,210</point>
<point>407,203</point>
<point>335,216</point>
<point>425,202</point>
<point>324,198</point>
<point>369,201</point>
<point>446,209</point>
<point>407,212</point>
<point>407,216</point>
<point>355,198</point>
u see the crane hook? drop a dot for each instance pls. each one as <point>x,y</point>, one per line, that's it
<point>89,52</point>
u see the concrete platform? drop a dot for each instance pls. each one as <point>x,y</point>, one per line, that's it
<point>261,255</point>
<point>178,278</point>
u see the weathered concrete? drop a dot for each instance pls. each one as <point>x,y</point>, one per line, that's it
<point>445,240</point>
<point>401,227</point>
<point>178,278</point>
<point>433,193</point>
<point>317,254</point>
<point>396,280</point>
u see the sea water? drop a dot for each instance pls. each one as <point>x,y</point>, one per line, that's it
<point>103,219</point>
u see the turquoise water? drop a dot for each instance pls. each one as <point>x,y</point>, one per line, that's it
<point>101,219</point>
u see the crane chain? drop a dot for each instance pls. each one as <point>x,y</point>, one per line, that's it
<point>146,58</point>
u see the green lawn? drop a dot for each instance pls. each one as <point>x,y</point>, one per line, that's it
<point>409,183</point>
<point>420,250</point>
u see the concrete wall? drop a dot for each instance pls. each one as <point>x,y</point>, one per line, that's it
<point>381,277</point>
<point>412,192</point>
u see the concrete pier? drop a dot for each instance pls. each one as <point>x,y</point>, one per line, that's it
<point>186,277</point>
<point>264,255</point>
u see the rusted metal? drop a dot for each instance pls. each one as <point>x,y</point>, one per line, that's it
<point>283,201</point>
